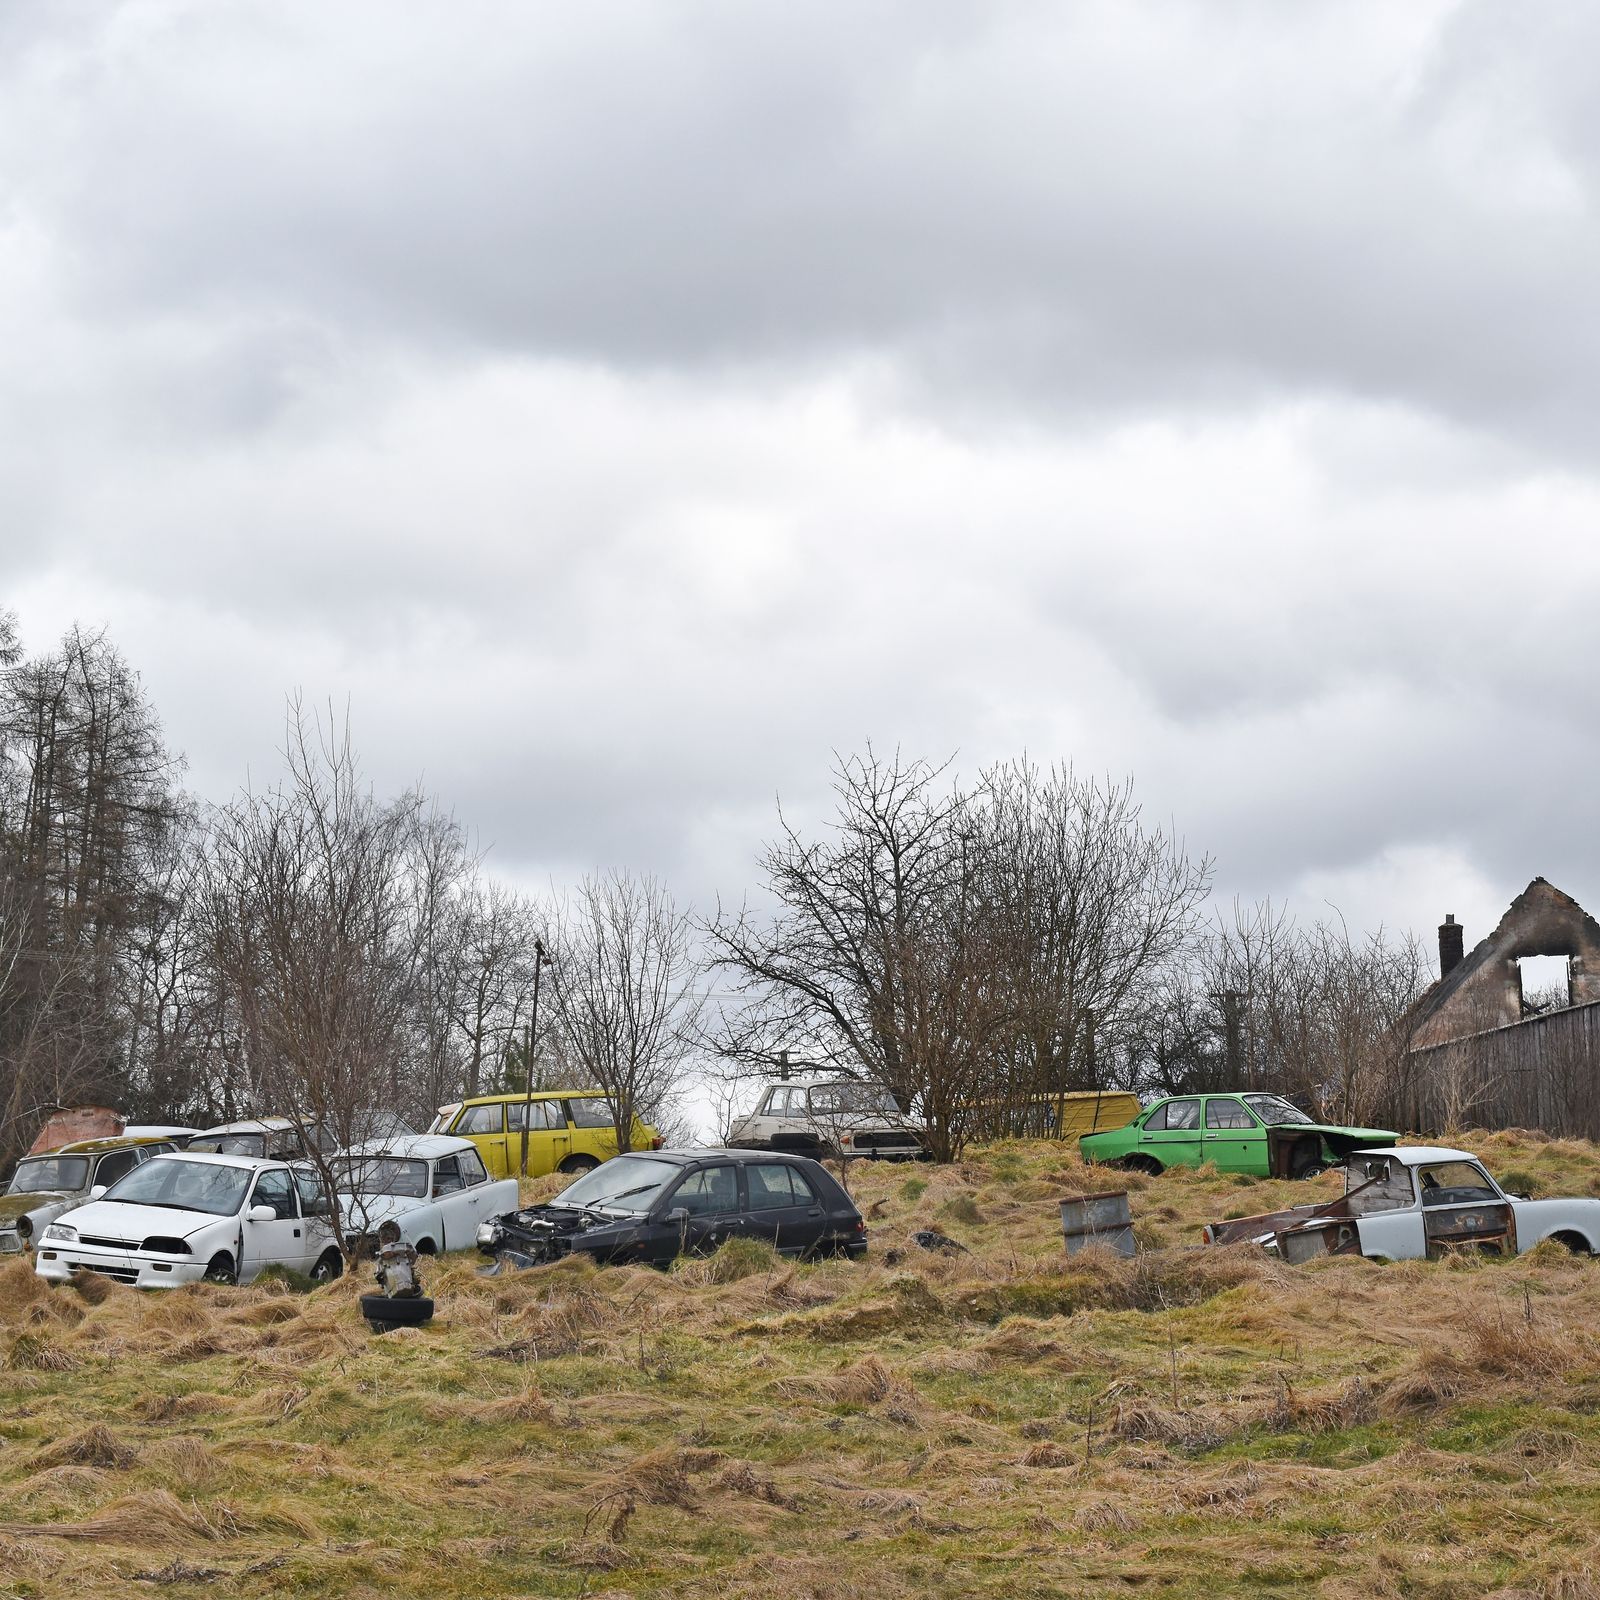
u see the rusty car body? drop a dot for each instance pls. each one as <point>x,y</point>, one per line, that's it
<point>1412,1203</point>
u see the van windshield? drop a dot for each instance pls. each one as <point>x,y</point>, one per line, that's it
<point>624,1183</point>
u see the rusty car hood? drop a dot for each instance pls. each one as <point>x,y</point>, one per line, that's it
<point>13,1206</point>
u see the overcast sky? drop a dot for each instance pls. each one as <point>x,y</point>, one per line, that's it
<point>625,406</point>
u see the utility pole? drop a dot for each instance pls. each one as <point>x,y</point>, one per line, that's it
<point>540,959</point>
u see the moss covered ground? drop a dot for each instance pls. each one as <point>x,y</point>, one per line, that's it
<point>1004,1422</point>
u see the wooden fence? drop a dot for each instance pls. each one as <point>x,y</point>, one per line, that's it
<point>1540,1073</point>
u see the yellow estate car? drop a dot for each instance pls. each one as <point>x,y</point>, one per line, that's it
<point>571,1130</point>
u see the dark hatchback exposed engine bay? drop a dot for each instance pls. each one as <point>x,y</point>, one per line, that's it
<point>650,1207</point>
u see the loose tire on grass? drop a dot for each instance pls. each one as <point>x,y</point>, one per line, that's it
<point>384,1313</point>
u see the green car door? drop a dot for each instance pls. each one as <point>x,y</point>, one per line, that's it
<point>1170,1133</point>
<point>1233,1138</point>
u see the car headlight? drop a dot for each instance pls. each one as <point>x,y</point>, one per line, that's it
<point>59,1230</point>
<point>24,1228</point>
<point>488,1232</point>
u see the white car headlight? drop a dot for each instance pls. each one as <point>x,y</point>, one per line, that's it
<point>488,1232</point>
<point>59,1230</point>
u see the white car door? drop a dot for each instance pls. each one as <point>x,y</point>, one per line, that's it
<point>473,1199</point>
<point>315,1213</point>
<point>1388,1219</point>
<point>280,1240</point>
<point>457,1224</point>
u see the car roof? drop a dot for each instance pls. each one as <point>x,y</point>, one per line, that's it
<point>410,1146</point>
<point>248,1125</point>
<point>1416,1155</point>
<point>120,1142</point>
<point>538,1094</point>
<point>684,1157</point>
<point>216,1160</point>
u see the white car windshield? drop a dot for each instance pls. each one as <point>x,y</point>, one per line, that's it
<point>186,1185</point>
<point>44,1174</point>
<point>1275,1112</point>
<point>624,1183</point>
<point>383,1175</point>
<point>852,1099</point>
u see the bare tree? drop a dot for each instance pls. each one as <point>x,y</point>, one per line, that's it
<point>881,961</point>
<point>622,984</point>
<point>310,900</point>
<point>964,949</point>
<point>490,999</point>
<point>1267,1003</point>
<point>1093,910</point>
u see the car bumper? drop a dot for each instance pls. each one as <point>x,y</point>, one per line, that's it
<point>60,1263</point>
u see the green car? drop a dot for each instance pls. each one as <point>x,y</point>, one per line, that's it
<point>1255,1133</point>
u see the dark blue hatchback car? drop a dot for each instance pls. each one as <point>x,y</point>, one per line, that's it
<point>654,1205</point>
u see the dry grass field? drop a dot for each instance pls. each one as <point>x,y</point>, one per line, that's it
<point>1194,1422</point>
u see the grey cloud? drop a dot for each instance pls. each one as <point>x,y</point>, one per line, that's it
<point>1020,206</point>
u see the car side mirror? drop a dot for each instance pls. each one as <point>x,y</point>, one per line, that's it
<point>261,1214</point>
<point>677,1216</point>
<point>98,1190</point>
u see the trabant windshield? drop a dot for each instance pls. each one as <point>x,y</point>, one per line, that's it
<point>382,1175</point>
<point>50,1174</point>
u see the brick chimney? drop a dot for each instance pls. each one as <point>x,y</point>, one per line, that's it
<point>1450,945</point>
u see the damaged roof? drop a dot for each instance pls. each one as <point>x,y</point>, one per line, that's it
<point>1542,921</point>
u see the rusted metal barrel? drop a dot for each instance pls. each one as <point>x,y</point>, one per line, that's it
<point>1102,1219</point>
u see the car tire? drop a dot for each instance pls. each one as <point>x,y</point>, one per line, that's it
<point>1148,1165</point>
<point>384,1313</point>
<point>330,1265</point>
<point>577,1165</point>
<point>1306,1166</point>
<point>220,1269</point>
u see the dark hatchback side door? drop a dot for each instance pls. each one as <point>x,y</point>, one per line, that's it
<point>702,1211</point>
<point>782,1208</point>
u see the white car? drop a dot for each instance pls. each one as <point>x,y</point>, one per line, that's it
<point>829,1120</point>
<point>1413,1202</point>
<point>433,1187</point>
<point>266,1137</point>
<point>185,1217</point>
